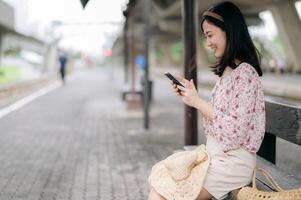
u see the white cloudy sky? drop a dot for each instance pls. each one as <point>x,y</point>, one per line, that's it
<point>89,38</point>
<point>37,14</point>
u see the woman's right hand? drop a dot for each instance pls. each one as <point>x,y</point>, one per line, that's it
<point>176,89</point>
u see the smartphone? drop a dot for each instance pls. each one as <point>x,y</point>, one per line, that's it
<point>173,79</point>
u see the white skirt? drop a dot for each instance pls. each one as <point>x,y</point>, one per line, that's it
<point>227,171</point>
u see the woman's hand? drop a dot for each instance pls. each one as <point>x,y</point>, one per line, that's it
<point>189,93</point>
<point>176,89</point>
<point>191,98</point>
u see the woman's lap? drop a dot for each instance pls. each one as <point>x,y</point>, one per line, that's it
<point>227,171</point>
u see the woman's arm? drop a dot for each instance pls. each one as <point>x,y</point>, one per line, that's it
<point>191,98</point>
<point>205,108</point>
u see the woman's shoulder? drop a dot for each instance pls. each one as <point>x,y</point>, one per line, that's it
<point>245,69</point>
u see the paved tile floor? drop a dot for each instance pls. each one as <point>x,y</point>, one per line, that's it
<point>80,142</point>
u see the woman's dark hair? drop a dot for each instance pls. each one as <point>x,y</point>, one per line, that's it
<point>239,44</point>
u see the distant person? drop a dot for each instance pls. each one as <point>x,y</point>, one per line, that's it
<point>63,62</point>
<point>140,63</point>
<point>233,118</point>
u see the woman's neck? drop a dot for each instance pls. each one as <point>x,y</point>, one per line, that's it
<point>237,62</point>
<point>228,70</point>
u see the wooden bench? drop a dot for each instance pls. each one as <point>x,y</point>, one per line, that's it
<point>126,89</point>
<point>283,120</point>
<point>139,90</point>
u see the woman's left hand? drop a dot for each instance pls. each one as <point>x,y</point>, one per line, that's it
<point>189,93</point>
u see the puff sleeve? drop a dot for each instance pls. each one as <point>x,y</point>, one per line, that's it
<point>231,124</point>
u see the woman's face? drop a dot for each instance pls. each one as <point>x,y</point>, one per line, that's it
<point>216,39</point>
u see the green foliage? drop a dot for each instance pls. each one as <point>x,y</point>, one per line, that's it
<point>176,52</point>
<point>159,54</point>
<point>278,44</point>
<point>177,48</point>
<point>263,53</point>
<point>9,74</point>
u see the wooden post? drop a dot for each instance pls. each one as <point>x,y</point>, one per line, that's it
<point>146,97</point>
<point>133,99</point>
<point>131,53</point>
<point>190,20</point>
<point>1,36</point>
<point>126,55</point>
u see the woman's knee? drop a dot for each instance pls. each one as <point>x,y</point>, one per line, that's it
<point>204,195</point>
<point>153,195</point>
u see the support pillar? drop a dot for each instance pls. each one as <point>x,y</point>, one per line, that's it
<point>133,99</point>
<point>126,55</point>
<point>289,27</point>
<point>190,24</point>
<point>147,9</point>
<point>1,35</point>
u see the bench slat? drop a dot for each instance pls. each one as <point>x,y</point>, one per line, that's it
<point>284,180</point>
<point>283,119</point>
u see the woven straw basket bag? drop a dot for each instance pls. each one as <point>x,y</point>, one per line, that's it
<point>252,193</point>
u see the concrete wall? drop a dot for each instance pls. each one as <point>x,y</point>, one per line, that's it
<point>289,27</point>
<point>12,41</point>
<point>7,17</point>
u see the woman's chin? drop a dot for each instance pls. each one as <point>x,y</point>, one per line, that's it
<point>217,56</point>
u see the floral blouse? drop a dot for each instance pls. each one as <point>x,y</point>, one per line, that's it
<point>238,110</point>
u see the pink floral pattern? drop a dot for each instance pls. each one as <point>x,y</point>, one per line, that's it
<point>238,110</point>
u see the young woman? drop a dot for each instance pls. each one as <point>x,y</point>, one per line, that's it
<point>234,117</point>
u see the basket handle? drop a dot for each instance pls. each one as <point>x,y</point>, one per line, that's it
<point>267,176</point>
